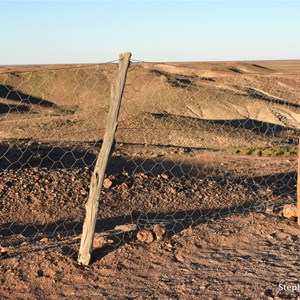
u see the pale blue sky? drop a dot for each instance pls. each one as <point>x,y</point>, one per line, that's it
<point>36,32</point>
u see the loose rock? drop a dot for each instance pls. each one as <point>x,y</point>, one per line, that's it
<point>145,236</point>
<point>107,183</point>
<point>289,211</point>
<point>126,227</point>
<point>165,176</point>
<point>159,231</point>
<point>100,241</point>
<point>179,257</point>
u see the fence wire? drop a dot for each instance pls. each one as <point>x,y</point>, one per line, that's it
<point>195,143</point>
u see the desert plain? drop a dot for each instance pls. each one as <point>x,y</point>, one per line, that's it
<point>206,151</point>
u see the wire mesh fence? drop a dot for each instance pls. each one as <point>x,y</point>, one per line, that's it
<point>195,143</point>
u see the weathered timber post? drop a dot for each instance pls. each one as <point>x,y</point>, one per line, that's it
<point>92,203</point>
<point>298,185</point>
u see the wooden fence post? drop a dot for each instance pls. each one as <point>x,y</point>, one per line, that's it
<point>92,203</point>
<point>298,185</point>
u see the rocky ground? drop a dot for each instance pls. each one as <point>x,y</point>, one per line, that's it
<point>241,257</point>
<point>159,236</point>
<point>189,208</point>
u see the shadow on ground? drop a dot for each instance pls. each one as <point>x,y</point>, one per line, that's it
<point>259,127</point>
<point>173,221</point>
<point>28,154</point>
<point>33,154</point>
<point>7,92</point>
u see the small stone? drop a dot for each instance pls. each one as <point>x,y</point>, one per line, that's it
<point>145,236</point>
<point>187,232</point>
<point>124,185</point>
<point>269,210</point>
<point>59,236</point>
<point>126,227</point>
<point>204,286</point>
<point>100,241</point>
<point>3,251</point>
<point>168,247</point>
<point>83,192</point>
<point>289,211</point>
<point>172,190</point>
<point>107,183</point>
<point>165,176</point>
<point>179,257</point>
<point>159,231</point>
<point>144,176</point>
<point>44,240</point>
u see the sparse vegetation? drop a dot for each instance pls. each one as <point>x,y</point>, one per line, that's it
<point>266,151</point>
<point>69,109</point>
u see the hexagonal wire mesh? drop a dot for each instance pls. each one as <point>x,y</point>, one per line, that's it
<point>195,143</point>
<point>52,123</point>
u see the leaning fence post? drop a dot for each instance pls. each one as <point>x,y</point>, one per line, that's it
<point>92,204</point>
<point>298,185</point>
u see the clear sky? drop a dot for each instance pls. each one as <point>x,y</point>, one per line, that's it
<point>36,32</point>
